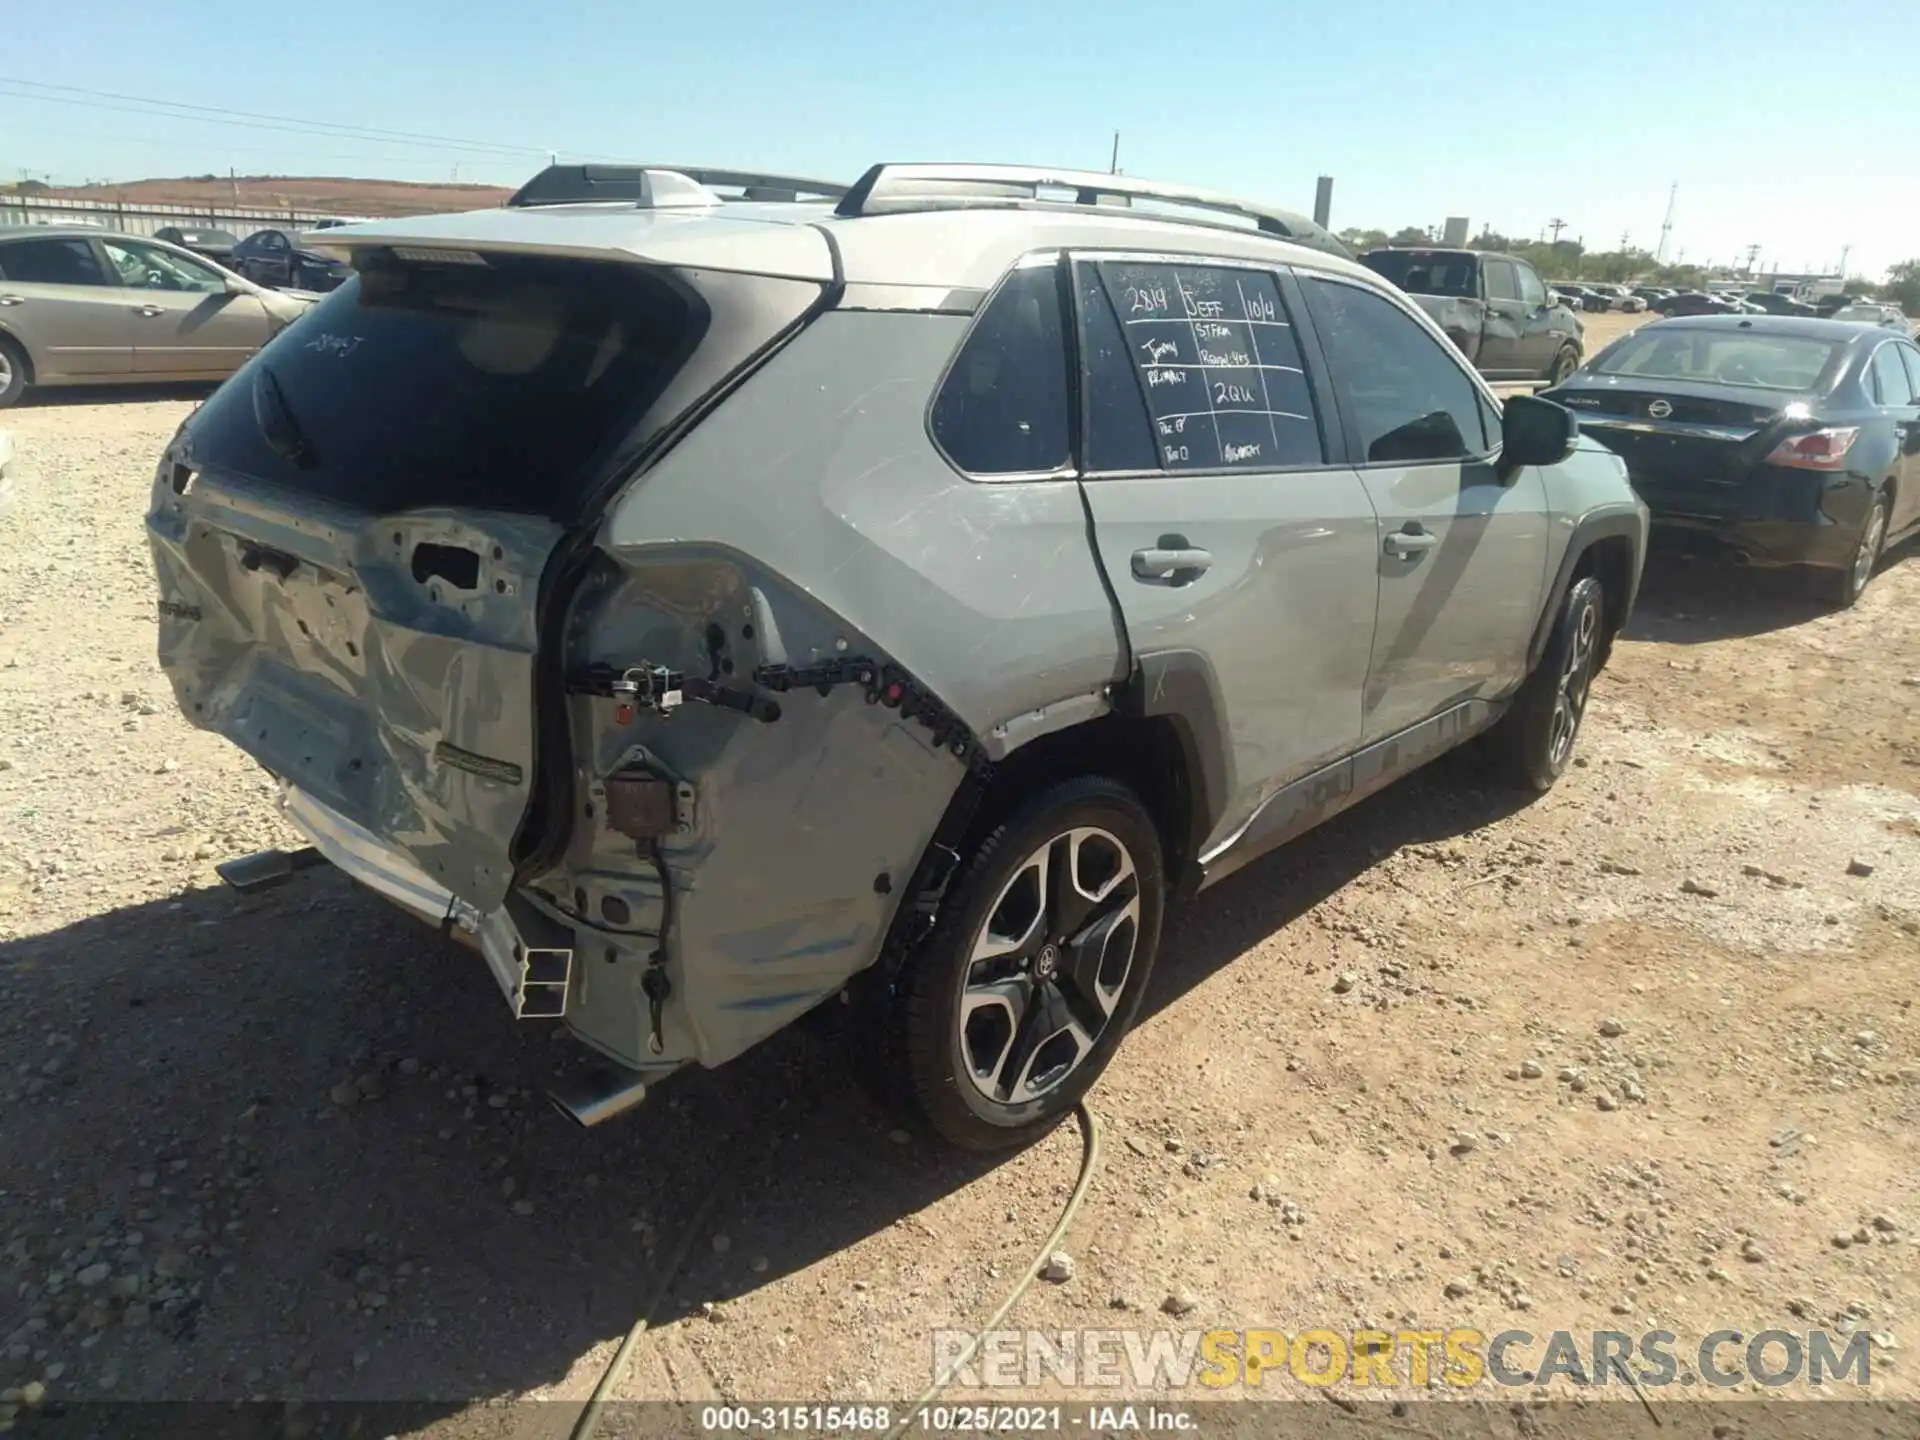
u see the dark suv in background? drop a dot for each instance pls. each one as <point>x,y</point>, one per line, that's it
<point>1494,307</point>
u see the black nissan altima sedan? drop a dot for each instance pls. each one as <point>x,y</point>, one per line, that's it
<point>1782,440</point>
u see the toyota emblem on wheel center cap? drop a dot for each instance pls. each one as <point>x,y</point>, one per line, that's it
<point>1046,962</point>
<point>1660,409</point>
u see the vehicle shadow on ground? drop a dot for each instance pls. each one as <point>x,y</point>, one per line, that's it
<point>1697,599</point>
<point>144,393</point>
<point>442,1234</point>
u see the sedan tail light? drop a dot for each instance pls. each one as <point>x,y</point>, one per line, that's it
<point>1820,450</point>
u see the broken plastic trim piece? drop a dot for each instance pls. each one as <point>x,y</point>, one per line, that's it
<point>531,969</point>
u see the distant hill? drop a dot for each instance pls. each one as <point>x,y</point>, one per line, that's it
<point>327,194</point>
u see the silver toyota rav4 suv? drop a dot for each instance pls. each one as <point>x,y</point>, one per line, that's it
<point>709,607</point>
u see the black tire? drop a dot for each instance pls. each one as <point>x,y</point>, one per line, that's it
<point>1841,587</point>
<point>1564,364</point>
<point>1081,971</point>
<point>13,372</point>
<point>1532,744</point>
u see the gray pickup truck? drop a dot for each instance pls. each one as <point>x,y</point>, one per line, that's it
<point>1494,307</point>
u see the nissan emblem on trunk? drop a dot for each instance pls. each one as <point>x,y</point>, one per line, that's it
<point>1659,409</point>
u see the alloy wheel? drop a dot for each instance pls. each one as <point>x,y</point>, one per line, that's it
<point>6,370</point>
<point>1048,966</point>
<point>1871,538</point>
<point>1575,683</point>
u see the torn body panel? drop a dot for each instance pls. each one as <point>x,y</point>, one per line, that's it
<point>331,647</point>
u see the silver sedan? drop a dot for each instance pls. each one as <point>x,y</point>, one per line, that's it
<point>84,306</point>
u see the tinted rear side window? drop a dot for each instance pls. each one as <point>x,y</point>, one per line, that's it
<point>1002,409</point>
<point>1890,377</point>
<point>50,262</point>
<point>1207,355</point>
<point>484,386</point>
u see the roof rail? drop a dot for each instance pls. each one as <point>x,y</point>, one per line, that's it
<point>891,189</point>
<point>574,184</point>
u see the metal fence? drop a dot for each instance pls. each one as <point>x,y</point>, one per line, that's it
<point>28,209</point>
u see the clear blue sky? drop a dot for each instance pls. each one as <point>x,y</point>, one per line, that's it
<point>1783,128</point>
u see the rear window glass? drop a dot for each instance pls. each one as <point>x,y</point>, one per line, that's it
<point>1766,362</point>
<point>485,386</point>
<point>1424,272</point>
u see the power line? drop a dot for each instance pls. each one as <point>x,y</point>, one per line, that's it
<point>214,114</point>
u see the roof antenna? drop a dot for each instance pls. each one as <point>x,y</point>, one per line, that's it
<point>1113,165</point>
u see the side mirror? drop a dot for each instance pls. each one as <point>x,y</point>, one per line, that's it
<point>238,286</point>
<point>1534,432</point>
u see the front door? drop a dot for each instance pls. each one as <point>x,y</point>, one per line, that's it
<point>186,322</point>
<point>1540,342</point>
<point>55,297</point>
<point>1231,541</point>
<point>1460,557</point>
<point>1895,383</point>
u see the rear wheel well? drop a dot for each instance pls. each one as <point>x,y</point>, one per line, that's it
<point>1145,754</point>
<point>18,347</point>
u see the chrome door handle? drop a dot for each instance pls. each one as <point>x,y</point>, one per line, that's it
<point>13,299</point>
<point>1155,563</point>
<point>1409,543</point>
<point>149,311</point>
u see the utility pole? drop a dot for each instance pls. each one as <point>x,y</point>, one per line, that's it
<point>1753,254</point>
<point>1113,165</point>
<point>1845,250</point>
<point>1556,225</point>
<point>1624,237</point>
<point>1666,225</point>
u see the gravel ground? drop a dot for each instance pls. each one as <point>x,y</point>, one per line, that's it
<point>1641,1053</point>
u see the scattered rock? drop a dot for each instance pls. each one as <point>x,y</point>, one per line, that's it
<point>1604,1101</point>
<point>497,1101</point>
<point>1464,1143</point>
<point>1345,981</point>
<point>1886,1224</point>
<point>758,1265</point>
<point>1530,1070</point>
<point>900,1137</point>
<point>1751,1252</point>
<point>1859,869</point>
<point>33,1393</point>
<point>1842,1239</point>
<point>1458,1289</point>
<point>722,1244</point>
<point>1178,1303</point>
<point>93,1274</point>
<point>1058,1269</point>
<point>1691,886</point>
<point>1612,1028</point>
<point>345,1093</point>
<point>523,1207</point>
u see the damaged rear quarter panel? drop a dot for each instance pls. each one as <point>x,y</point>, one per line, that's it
<point>817,487</point>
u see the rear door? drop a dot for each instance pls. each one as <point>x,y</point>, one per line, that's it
<point>1460,557</point>
<point>1234,534</point>
<point>185,320</point>
<point>1894,388</point>
<point>56,298</point>
<point>351,538</point>
<point>1501,341</point>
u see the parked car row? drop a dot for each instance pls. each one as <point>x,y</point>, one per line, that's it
<point>85,306</point>
<point>274,257</point>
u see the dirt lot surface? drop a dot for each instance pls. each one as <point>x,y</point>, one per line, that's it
<point>1641,1054</point>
